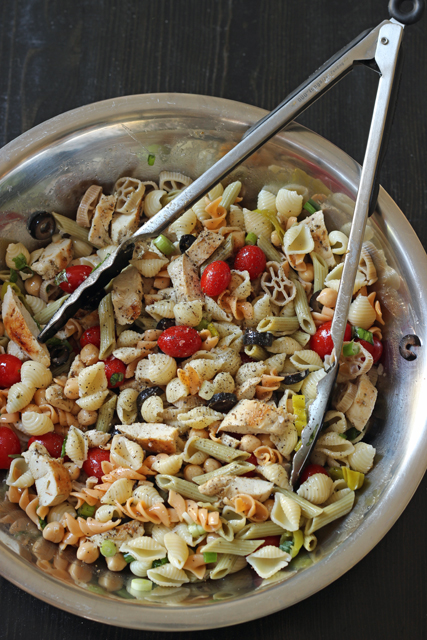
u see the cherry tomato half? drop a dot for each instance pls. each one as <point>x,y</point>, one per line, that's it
<point>74,276</point>
<point>252,460</point>
<point>9,445</point>
<point>311,470</point>
<point>216,278</point>
<point>376,349</point>
<point>115,371</point>
<point>92,464</point>
<point>270,541</point>
<point>251,259</point>
<point>91,336</point>
<point>322,343</point>
<point>10,370</point>
<point>52,442</point>
<point>179,342</point>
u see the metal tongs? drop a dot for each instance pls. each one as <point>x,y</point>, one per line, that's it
<point>378,48</point>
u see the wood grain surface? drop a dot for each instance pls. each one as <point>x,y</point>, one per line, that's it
<point>56,55</point>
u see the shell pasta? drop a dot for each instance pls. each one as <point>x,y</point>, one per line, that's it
<point>167,412</point>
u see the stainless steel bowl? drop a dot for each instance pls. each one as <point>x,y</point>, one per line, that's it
<point>49,168</point>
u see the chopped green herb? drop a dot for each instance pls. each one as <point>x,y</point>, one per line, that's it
<point>151,159</point>
<point>210,556</point>
<point>20,262</point>
<point>116,378</point>
<point>42,523</point>
<point>352,433</point>
<point>251,238</point>
<point>350,349</point>
<point>286,546</point>
<point>128,558</point>
<point>159,563</point>
<point>13,275</point>
<point>363,334</point>
<point>86,511</point>
<point>63,447</point>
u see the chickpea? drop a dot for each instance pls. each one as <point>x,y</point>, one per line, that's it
<point>1,328</point>
<point>249,443</point>
<point>40,397</point>
<point>86,417</point>
<point>200,433</point>
<point>191,471</point>
<point>308,274</point>
<point>32,285</point>
<point>80,572</point>
<point>73,470</point>
<point>149,461</point>
<point>210,464</point>
<point>89,354</point>
<point>42,548</point>
<point>116,562</point>
<point>110,581</point>
<point>54,532</point>
<point>71,389</point>
<point>275,239</point>
<point>266,441</point>
<point>59,562</point>
<point>328,297</point>
<point>87,552</point>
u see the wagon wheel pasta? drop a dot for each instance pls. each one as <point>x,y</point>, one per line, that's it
<point>178,461</point>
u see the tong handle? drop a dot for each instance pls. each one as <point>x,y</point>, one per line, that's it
<point>406,17</point>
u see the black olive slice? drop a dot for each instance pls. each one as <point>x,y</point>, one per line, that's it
<point>59,355</point>
<point>316,306</point>
<point>185,242</point>
<point>147,393</point>
<point>165,323</point>
<point>261,338</point>
<point>41,225</point>
<point>222,402</point>
<point>293,378</point>
<point>406,344</point>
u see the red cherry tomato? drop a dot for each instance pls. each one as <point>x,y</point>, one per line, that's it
<point>216,278</point>
<point>9,445</point>
<point>310,470</point>
<point>251,259</point>
<point>115,371</point>
<point>10,370</point>
<point>245,358</point>
<point>52,442</point>
<point>270,541</point>
<point>92,465</point>
<point>376,349</point>
<point>322,343</point>
<point>91,336</point>
<point>74,276</point>
<point>179,342</point>
<point>252,460</point>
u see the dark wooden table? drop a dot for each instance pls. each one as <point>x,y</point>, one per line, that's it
<point>56,55</point>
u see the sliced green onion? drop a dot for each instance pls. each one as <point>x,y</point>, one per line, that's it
<point>13,276</point>
<point>141,584</point>
<point>343,436</point>
<point>42,523</point>
<point>251,238</point>
<point>350,349</point>
<point>128,558</point>
<point>86,511</point>
<point>196,530</point>
<point>160,562</point>
<point>352,433</point>
<point>64,442</point>
<point>95,588</point>
<point>363,334</point>
<point>286,546</point>
<point>151,159</point>
<point>108,549</point>
<point>164,245</point>
<point>212,329</point>
<point>210,556</point>
<point>335,473</point>
<point>203,324</point>
<point>311,206</point>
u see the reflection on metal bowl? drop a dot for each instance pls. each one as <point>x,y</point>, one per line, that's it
<point>48,169</point>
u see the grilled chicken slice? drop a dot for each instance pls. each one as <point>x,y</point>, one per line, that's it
<point>127,296</point>
<point>21,328</point>
<point>56,257</point>
<point>230,486</point>
<point>185,280</point>
<point>206,243</point>
<point>153,437</point>
<point>254,416</point>
<point>363,403</point>
<point>99,230</point>
<point>319,233</point>
<point>124,225</point>
<point>15,350</point>
<point>120,535</point>
<point>53,482</point>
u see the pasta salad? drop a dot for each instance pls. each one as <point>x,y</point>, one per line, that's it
<point>157,428</point>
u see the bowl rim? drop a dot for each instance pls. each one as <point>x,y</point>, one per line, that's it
<point>257,604</point>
